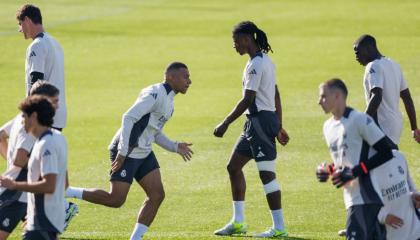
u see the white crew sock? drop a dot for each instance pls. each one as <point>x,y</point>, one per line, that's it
<point>278,222</point>
<point>238,211</point>
<point>139,231</point>
<point>74,192</point>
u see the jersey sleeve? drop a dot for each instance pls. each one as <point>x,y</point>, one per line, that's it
<point>368,129</point>
<point>162,140</point>
<point>253,76</point>
<point>49,160</point>
<point>144,105</point>
<point>374,76</point>
<point>37,57</point>
<point>24,141</point>
<point>403,83</point>
<point>7,127</point>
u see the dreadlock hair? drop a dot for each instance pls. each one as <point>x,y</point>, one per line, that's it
<point>248,27</point>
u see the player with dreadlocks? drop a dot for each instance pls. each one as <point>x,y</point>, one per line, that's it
<point>262,107</point>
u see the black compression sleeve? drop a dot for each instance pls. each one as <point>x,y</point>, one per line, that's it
<point>384,154</point>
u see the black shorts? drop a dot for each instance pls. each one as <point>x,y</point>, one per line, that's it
<point>11,215</point>
<point>258,139</point>
<point>134,168</point>
<point>363,224</point>
<point>39,235</point>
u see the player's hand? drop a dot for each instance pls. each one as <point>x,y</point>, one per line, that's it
<point>283,137</point>
<point>416,135</point>
<point>220,129</point>
<point>7,183</point>
<point>117,163</point>
<point>341,176</point>
<point>416,199</point>
<point>185,151</point>
<point>394,221</point>
<point>323,171</point>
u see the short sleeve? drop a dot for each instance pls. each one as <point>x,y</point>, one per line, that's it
<point>403,83</point>
<point>24,141</point>
<point>374,76</point>
<point>368,129</point>
<point>253,74</point>
<point>49,160</point>
<point>37,56</point>
<point>7,127</point>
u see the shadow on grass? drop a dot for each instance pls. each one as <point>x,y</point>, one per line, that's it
<point>251,236</point>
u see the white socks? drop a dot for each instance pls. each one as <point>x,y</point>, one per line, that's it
<point>278,222</point>
<point>74,192</point>
<point>139,231</point>
<point>238,211</point>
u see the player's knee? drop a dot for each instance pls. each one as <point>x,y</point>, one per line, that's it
<point>157,197</point>
<point>232,169</point>
<point>267,177</point>
<point>116,202</point>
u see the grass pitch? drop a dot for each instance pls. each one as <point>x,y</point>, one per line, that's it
<point>115,48</point>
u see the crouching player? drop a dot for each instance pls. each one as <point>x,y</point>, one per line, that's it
<point>349,135</point>
<point>46,172</point>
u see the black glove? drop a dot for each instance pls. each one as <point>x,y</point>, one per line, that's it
<point>341,176</point>
<point>324,171</point>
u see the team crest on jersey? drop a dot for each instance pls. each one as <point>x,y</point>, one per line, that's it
<point>253,71</point>
<point>6,222</point>
<point>123,173</point>
<point>371,71</point>
<point>401,170</point>
<point>46,153</point>
<point>32,54</point>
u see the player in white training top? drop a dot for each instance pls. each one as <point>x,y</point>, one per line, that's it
<point>131,149</point>
<point>261,104</point>
<point>397,188</point>
<point>47,169</point>
<point>384,85</point>
<point>44,58</point>
<point>349,135</point>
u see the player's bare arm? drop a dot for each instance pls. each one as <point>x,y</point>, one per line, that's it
<point>374,102</point>
<point>282,136</point>
<point>240,108</point>
<point>21,159</point>
<point>3,144</point>
<point>117,163</point>
<point>411,113</point>
<point>45,185</point>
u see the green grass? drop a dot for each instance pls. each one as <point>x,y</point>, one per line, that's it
<point>115,48</point>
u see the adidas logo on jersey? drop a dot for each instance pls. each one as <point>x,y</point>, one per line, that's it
<point>260,154</point>
<point>372,71</point>
<point>46,153</point>
<point>32,54</point>
<point>252,72</point>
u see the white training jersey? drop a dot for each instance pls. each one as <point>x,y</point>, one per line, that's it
<point>260,76</point>
<point>49,156</point>
<point>386,74</point>
<point>143,122</point>
<point>45,55</point>
<point>395,186</point>
<point>18,139</point>
<point>348,140</point>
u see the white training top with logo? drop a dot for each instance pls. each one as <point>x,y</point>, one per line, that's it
<point>142,124</point>
<point>345,139</point>
<point>45,55</point>
<point>18,139</point>
<point>386,74</point>
<point>49,156</point>
<point>260,76</point>
<point>395,185</point>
